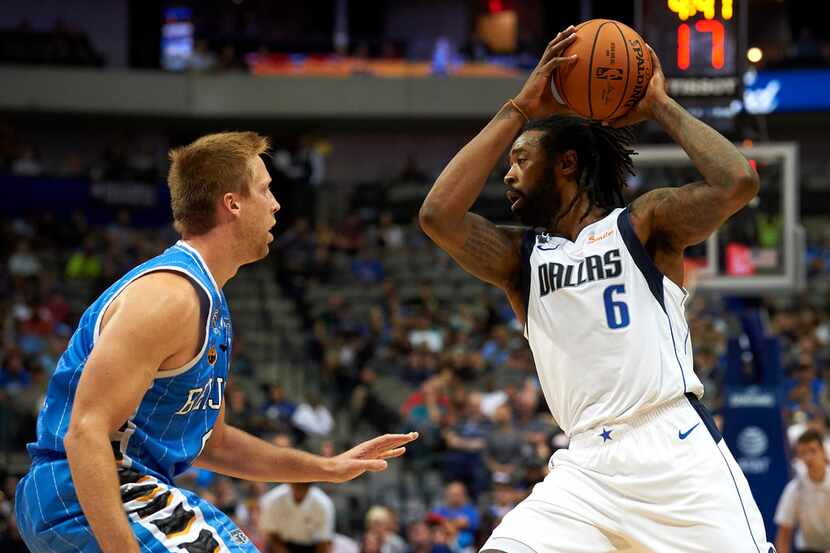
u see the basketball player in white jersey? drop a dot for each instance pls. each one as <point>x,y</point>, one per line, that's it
<point>599,289</point>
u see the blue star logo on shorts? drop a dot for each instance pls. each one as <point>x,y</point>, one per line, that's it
<point>606,435</point>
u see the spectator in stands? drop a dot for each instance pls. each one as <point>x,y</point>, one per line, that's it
<point>371,543</point>
<point>48,360</point>
<point>530,426</point>
<point>379,520</point>
<point>238,409</point>
<point>536,455</point>
<point>367,268</point>
<point>390,234</point>
<point>23,263</point>
<point>424,412</point>
<point>35,329</point>
<point>503,444</point>
<point>426,334</point>
<point>276,408</point>
<point>297,518</point>
<point>502,501</point>
<point>366,405</point>
<point>85,263</point>
<point>466,439</point>
<point>421,538</point>
<point>497,348</point>
<point>805,503</point>
<point>803,396</point>
<point>459,514</point>
<point>14,375</point>
<point>312,417</point>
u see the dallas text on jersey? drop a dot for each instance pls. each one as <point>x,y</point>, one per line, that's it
<point>553,276</point>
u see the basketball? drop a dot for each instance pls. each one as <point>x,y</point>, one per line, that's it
<point>611,72</point>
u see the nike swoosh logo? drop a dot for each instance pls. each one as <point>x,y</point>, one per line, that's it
<point>547,249</point>
<point>684,435</point>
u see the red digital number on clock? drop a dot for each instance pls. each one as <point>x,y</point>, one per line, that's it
<point>684,42</point>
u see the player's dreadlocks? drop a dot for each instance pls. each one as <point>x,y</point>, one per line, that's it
<point>603,157</point>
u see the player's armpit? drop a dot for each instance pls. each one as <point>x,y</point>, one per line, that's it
<point>483,249</point>
<point>686,215</point>
<point>152,321</point>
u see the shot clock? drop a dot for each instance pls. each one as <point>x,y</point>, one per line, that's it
<point>699,43</point>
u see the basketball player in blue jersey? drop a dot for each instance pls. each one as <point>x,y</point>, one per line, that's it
<point>599,289</point>
<point>137,398</point>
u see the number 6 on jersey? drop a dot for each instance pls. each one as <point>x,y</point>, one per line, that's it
<point>616,312</point>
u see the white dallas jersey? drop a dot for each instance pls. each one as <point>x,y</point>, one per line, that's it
<point>607,329</point>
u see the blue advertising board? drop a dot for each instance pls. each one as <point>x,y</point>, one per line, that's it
<point>774,91</point>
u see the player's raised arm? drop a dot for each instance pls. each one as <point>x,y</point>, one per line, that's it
<point>480,247</point>
<point>680,217</point>
<point>138,338</point>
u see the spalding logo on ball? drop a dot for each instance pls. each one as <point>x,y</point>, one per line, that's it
<point>611,72</point>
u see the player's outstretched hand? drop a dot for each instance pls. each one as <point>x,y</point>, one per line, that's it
<point>655,92</point>
<point>369,456</point>
<point>535,98</point>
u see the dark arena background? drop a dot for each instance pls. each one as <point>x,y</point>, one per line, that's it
<point>356,324</point>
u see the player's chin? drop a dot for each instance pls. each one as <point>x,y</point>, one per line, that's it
<point>263,252</point>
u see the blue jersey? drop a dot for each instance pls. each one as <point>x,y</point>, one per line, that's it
<point>177,413</point>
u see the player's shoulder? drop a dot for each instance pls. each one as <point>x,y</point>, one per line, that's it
<point>160,299</point>
<point>641,211</point>
<point>172,289</point>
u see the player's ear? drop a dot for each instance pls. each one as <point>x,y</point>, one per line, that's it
<point>230,203</point>
<point>568,163</point>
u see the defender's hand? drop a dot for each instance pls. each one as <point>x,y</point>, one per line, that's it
<point>369,456</point>
<point>536,99</point>
<point>655,93</point>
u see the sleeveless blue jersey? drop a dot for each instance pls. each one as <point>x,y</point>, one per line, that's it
<point>176,416</point>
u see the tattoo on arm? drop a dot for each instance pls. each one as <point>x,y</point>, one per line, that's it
<point>683,216</point>
<point>489,252</point>
<point>508,112</point>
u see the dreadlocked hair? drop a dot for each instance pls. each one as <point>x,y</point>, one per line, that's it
<point>603,157</point>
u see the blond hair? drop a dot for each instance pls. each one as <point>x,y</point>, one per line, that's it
<point>203,171</point>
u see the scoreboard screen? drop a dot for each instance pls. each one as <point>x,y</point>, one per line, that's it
<point>698,43</point>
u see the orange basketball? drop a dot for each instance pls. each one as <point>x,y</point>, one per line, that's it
<point>611,72</point>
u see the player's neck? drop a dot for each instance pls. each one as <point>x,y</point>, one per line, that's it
<point>218,255</point>
<point>572,223</point>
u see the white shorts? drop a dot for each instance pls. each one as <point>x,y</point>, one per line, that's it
<point>663,482</point>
